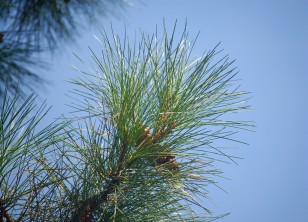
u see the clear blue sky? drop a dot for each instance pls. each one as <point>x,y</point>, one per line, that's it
<point>269,40</point>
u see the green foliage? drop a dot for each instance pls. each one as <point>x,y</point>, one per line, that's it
<point>30,26</point>
<point>143,142</point>
<point>24,172</point>
<point>49,21</point>
<point>153,115</point>
<point>16,67</point>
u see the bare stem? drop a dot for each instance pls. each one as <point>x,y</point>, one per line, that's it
<point>4,213</point>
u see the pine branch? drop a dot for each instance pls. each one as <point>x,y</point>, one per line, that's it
<point>155,115</point>
<point>4,213</point>
<point>88,207</point>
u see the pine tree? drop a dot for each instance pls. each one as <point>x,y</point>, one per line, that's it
<point>29,27</point>
<point>142,143</point>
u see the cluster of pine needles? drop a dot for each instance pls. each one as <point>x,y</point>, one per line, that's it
<point>141,144</point>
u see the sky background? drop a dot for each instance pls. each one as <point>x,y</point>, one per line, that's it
<point>269,40</point>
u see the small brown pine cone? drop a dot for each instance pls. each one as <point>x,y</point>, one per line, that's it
<point>164,117</point>
<point>146,134</point>
<point>173,124</point>
<point>170,162</point>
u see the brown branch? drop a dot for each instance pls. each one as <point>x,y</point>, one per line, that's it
<point>88,217</point>
<point>1,37</point>
<point>122,158</point>
<point>4,213</point>
<point>92,204</point>
<point>145,139</point>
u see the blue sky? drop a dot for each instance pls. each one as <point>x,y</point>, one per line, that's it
<point>269,40</point>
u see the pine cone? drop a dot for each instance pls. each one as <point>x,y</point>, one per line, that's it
<point>170,162</point>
